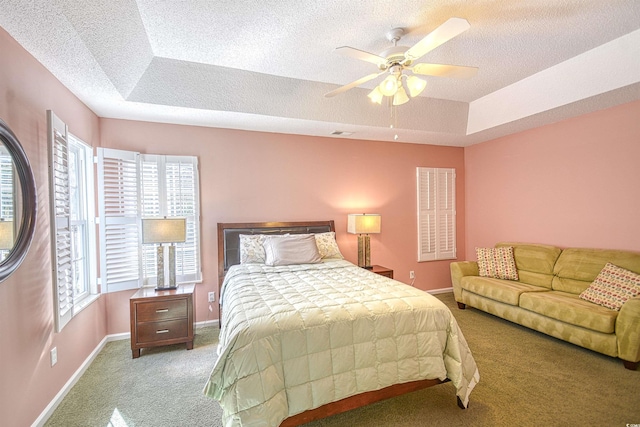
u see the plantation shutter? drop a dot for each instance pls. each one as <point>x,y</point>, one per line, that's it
<point>183,195</point>
<point>150,194</point>
<point>446,213</point>
<point>133,186</point>
<point>7,194</point>
<point>170,188</point>
<point>436,214</point>
<point>426,214</point>
<point>119,210</point>
<point>60,219</point>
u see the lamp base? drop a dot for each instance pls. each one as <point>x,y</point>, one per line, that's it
<point>364,251</point>
<point>162,283</point>
<point>168,288</point>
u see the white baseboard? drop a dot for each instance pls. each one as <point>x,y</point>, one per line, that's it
<point>44,416</point>
<point>118,337</point>
<point>440,291</point>
<point>51,407</point>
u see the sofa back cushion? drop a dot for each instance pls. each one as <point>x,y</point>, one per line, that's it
<point>577,268</point>
<point>534,262</point>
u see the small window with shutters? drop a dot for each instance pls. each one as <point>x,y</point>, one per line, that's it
<point>72,222</point>
<point>436,213</point>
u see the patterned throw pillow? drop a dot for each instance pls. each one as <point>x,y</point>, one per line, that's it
<point>497,263</point>
<point>613,286</point>
<point>251,249</point>
<point>327,245</point>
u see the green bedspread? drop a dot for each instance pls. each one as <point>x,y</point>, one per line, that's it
<point>297,337</point>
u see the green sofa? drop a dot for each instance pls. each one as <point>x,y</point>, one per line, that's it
<point>545,297</point>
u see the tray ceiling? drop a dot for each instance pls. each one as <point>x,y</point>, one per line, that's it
<point>266,65</point>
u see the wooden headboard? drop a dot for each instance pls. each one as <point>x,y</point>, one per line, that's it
<point>229,237</point>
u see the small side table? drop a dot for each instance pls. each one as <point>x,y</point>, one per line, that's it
<point>383,271</point>
<point>161,318</point>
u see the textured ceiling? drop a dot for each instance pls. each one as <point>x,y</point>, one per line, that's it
<point>267,65</point>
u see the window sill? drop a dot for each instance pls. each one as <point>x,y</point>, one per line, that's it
<point>78,306</point>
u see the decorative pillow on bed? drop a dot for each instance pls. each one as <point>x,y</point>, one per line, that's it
<point>497,263</point>
<point>613,287</point>
<point>291,249</point>
<point>327,245</point>
<point>251,249</point>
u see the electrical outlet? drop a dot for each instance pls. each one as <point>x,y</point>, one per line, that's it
<point>412,274</point>
<point>212,296</point>
<point>54,356</point>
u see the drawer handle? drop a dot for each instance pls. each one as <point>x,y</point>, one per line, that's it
<point>162,310</point>
<point>162,331</point>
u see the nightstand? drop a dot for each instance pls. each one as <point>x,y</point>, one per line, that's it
<point>383,271</point>
<point>161,318</point>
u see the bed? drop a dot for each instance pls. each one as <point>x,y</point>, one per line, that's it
<point>303,341</point>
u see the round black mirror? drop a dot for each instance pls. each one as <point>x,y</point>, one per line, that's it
<point>18,220</point>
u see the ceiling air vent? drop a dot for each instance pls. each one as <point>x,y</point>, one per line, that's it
<point>341,133</point>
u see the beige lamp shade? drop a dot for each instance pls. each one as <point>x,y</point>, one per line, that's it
<point>164,230</point>
<point>363,223</point>
<point>6,235</point>
<point>400,97</point>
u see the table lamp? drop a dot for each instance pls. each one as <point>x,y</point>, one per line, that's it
<point>6,238</point>
<point>160,231</point>
<point>363,225</point>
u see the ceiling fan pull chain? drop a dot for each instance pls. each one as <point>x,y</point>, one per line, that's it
<point>394,119</point>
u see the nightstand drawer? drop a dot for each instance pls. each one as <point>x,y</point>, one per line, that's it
<point>161,310</point>
<point>162,331</point>
<point>161,317</point>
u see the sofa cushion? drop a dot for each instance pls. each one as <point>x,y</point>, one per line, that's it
<point>577,268</point>
<point>534,262</point>
<point>497,263</point>
<point>569,308</point>
<point>506,291</point>
<point>613,287</point>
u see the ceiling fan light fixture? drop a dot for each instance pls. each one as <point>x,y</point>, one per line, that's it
<point>376,96</point>
<point>389,86</point>
<point>416,85</point>
<point>400,97</point>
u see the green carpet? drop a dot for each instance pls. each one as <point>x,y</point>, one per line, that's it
<point>527,379</point>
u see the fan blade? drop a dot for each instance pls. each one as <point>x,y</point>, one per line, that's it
<point>361,55</point>
<point>352,85</point>
<point>440,35</point>
<point>440,70</point>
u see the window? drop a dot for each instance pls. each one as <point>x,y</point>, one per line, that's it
<point>7,203</point>
<point>72,221</point>
<point>133,186</point>
<point>82,228</point>
<point>436,214</point>
<point>176,195</point>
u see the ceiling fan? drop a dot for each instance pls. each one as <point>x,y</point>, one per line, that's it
<point>397,60</point>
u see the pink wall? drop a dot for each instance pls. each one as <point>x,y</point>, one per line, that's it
<point>253,176</point>
<point>27,381</point>
<point>245,176</point>
<point>574,183</point>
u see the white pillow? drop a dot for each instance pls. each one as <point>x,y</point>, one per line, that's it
<point>251,249</point>
<point>327,245</point>
<point>291,249</point>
